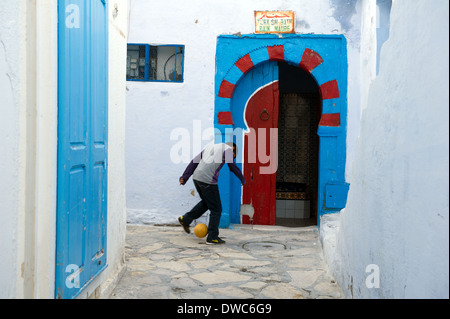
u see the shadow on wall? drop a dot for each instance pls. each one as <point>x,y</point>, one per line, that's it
<point>383,25</point>
<point>343,12</point>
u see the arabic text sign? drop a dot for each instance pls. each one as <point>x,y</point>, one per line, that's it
<point>274,21</point>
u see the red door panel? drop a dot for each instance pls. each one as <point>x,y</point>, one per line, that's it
<point>260,151</point>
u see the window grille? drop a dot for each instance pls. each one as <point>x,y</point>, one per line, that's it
<point>155,63</point>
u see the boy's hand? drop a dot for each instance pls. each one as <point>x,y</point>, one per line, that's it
<point>181,181</point>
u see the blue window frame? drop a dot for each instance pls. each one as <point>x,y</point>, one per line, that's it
<point>155,63</point>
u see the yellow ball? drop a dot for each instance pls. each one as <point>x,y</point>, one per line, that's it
<point>200,230</point>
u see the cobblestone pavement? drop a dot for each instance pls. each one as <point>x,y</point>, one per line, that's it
<point>260,262</point>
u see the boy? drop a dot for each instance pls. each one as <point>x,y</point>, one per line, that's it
<point>205,169</point>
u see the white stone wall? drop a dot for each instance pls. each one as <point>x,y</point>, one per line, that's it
<point>397,215</point>
<point>10,81</point>
<point>155,110</point>
<point>28,160</point>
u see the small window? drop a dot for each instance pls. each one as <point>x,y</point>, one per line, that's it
<point>162,63</point>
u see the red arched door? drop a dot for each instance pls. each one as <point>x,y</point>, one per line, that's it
<point>261,145</point>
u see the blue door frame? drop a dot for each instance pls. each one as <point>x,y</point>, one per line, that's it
<point>82,144</point>
<point>322,56</point>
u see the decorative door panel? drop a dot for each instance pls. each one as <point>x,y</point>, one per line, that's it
<point>82,144</point>
<point>260,143</point>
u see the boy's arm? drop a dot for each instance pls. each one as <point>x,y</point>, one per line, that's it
<point>190,169</point>
<point>232,165</point>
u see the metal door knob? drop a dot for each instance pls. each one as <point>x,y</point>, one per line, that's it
<point>265,117</point>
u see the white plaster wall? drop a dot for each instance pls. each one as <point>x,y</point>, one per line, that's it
<point>9,143</point>
<point>116,138</point>
<point>397,215</point>
<point>28,68</point>
<point>46,147</point>
<point>19,206</point>
<point>28,126</point>
<point>154,110</point>
<point>361,75</point>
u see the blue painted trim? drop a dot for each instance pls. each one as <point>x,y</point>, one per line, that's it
<point>147,60</point>
<point>333,50</point>
<point>159,81</point>
<point>336,195</point>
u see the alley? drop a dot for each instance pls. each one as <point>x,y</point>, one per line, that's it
<point>260,262</point>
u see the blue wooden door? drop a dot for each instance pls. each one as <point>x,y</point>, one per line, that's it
<point>82,144</point>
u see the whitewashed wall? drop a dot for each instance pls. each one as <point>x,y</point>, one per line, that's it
<point>397,215</point>
<point>28,160</point>
<point>28,73</point>
<point>154,110</point>
<point>10,80</point>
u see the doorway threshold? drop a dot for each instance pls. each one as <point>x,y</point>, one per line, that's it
<point>295,222</point>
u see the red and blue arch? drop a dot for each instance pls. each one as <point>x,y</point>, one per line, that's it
<point>325,58</point>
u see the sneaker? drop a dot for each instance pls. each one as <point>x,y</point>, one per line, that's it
<point>216,241</point>
<point>185,227</point>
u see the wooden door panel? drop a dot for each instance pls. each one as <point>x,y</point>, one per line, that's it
<point>82,144</point>
<point>261,115</point>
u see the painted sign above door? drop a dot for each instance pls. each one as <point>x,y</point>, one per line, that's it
<point>274,21</point>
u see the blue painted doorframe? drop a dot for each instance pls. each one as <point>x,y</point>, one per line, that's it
<point>322,56</point>
<point>82,144</point>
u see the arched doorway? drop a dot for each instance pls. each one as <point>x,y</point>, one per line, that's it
<point>324,59</point>
<point>298,147</point>
<point>277,107</point>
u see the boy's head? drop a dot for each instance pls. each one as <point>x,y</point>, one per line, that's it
<point>233,145</point>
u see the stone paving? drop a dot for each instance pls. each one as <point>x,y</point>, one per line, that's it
<point>260,262</point>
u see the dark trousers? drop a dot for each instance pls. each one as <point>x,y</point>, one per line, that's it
<point>210,199</point>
